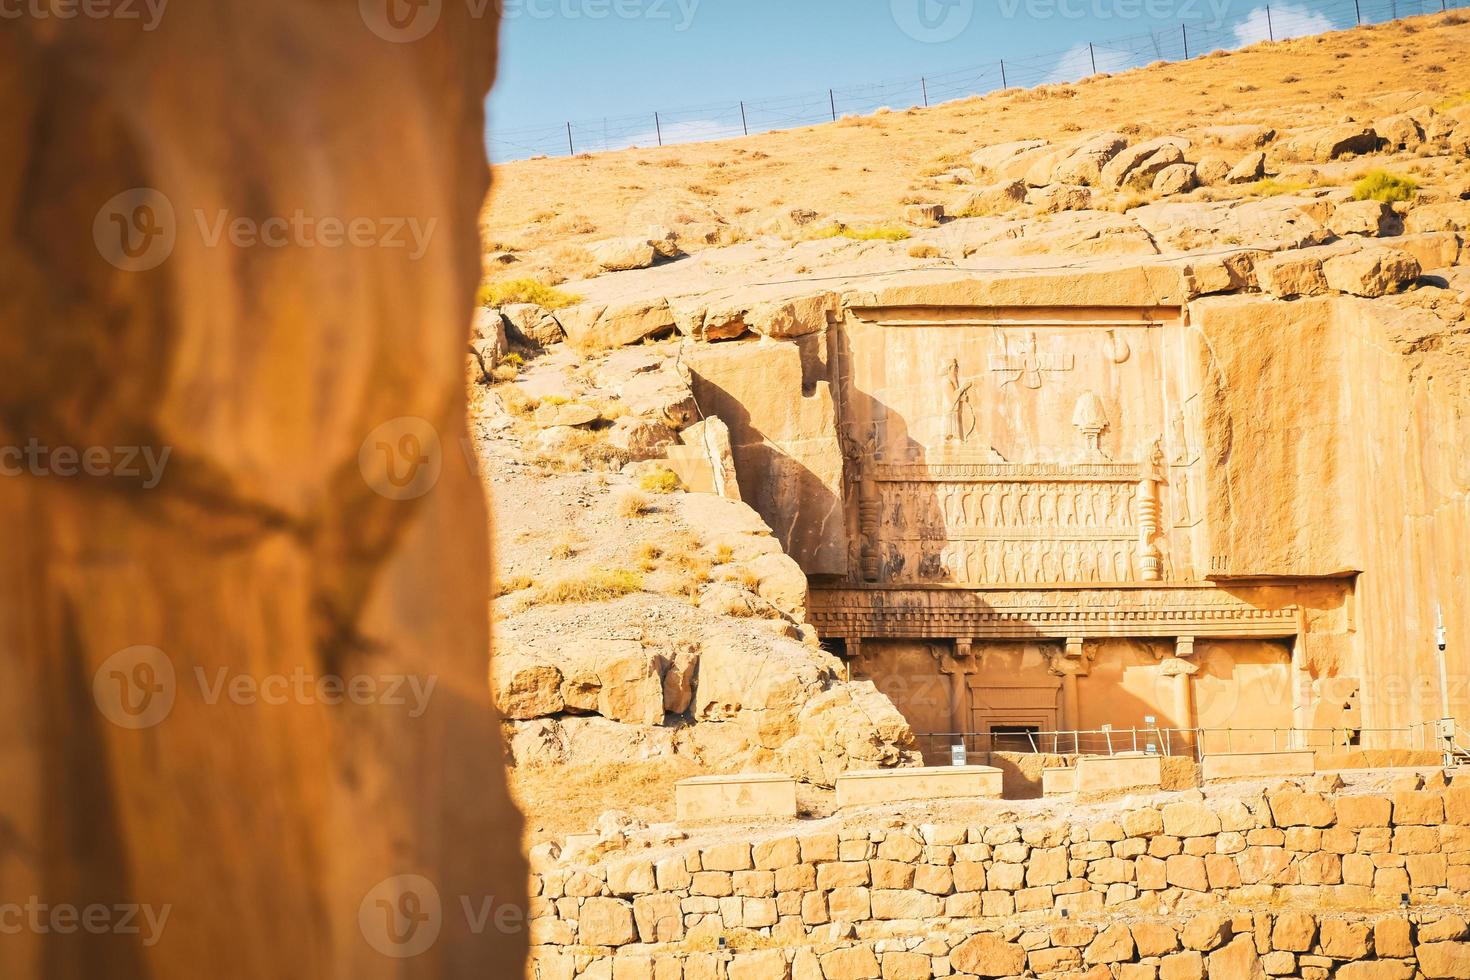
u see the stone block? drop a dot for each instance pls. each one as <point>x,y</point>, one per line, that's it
<point>933,783</point>
<point>1104,774</point>
<point>1059,781</point>
<point>1242,765</point>
<point>606,922</point>
<point>744,796</point>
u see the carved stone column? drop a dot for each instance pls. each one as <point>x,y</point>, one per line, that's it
<point>1069,665</point>
<point>854,657</point>
<point>958,666</point>
<point>1179,669</point>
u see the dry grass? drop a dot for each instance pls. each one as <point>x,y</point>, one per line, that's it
<point>633,504</point>
<point>590,585</point>
<point>512,583</point>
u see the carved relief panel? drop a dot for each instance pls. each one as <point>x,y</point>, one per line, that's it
<point>1039,447</point>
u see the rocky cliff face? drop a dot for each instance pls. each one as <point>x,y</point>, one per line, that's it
<point>645,630</point>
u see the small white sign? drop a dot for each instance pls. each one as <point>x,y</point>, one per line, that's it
<point>957,754</point>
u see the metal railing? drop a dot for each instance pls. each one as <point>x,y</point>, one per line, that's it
<point>1193,743</point>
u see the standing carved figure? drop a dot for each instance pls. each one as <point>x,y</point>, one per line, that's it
<point>959,417</point>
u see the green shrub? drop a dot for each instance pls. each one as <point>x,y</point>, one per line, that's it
<point>660,481</point>
<point>1380,185</point>
<point>1271,187</point>
<point>506,291</point>
<point>872,233</point>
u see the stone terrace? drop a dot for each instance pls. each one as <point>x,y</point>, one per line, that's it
<point>1297,879</point>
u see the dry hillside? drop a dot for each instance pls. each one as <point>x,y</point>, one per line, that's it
<point>872,166</point>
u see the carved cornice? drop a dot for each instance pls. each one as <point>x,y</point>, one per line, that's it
<point>1045,613</point>
<point>960,471</point>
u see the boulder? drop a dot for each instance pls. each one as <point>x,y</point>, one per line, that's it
<point>781,582</point>
<point>532,325</point>
<point>641,439</point>
<point>1431,249</point>
<point>679,682</point>
<point>1248,169</point>
<point>710,438</point>
<point>1370,218</point>
<point>1211,170</point>
<point>1085,162</point>
<point>660,395</point>
<point>795,317</point>
<point>1400,132</point>
<point>1143,175</point>
<point>1443,216</point>
<point>1331,142</point>
<point>1175,179</point>
<point>1120,168</point>
<point>924,215</point>
<point>991,199</point>
<point>602,326</point>
<point>570,415</point>
<point>1292,273</point>
<point>623,254</point>
<point>1060,197</point>
<point>1239,134</point>
<point>525,687</point>
<point>1371,272</point>
<point>632,687</point>
<point>1014,157</point>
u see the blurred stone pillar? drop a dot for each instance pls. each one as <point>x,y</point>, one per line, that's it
<point>245,598</point>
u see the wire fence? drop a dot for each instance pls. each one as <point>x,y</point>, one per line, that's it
<point>936,747</point>
<point>727,120</point>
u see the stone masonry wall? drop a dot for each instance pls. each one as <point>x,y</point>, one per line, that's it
<point>1288,882</point>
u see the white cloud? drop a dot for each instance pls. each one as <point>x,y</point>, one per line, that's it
<point>1077,62</point>
<point>692,131</point>
<point>1283,21</point>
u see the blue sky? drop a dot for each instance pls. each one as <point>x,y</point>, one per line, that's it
<point>586,59</point>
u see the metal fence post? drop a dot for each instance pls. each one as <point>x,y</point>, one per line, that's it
<point>1270,30</point>
<point>1358,11</point>
<point>1184,30</point>
<point>743,124</point>
<point>571,150</point>
<point>657,128</point>
<point>924,84</point>
<point>1092,53</point>
<point>832,97</point>
<point>1003,85</point>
